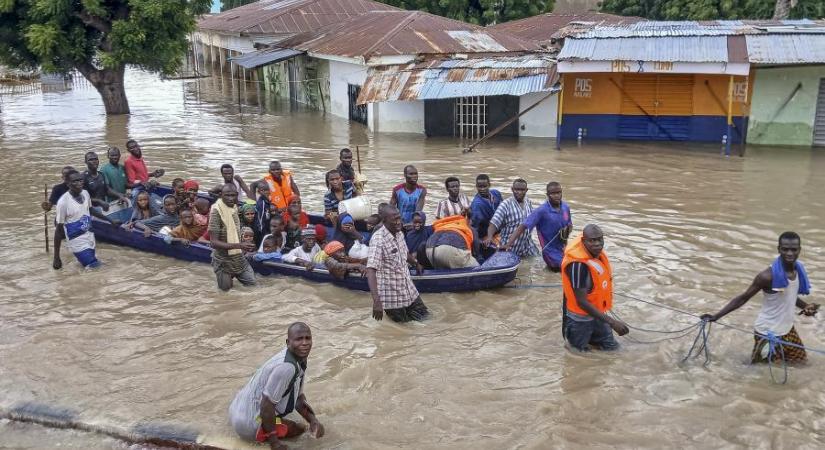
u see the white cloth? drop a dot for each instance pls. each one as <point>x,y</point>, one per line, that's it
<point>299,253</point>
<point>271,380</point>
<point>359,251</point>
<point>77,221</point>
<point>778,310</point>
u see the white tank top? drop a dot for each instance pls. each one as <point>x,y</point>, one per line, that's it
<point>777,314</point>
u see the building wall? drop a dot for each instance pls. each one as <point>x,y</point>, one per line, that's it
<point>773,124</point>
<point>398,117</point>
<point>340,75</point>
<point>605,106</point>
<point>541,120</point>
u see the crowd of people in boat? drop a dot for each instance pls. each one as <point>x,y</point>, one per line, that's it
<point>273,226</point>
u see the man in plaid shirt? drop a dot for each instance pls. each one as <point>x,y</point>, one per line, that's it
<point>388,273</point>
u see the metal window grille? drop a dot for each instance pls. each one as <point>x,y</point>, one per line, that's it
<point>471,117</point>
<point>357,113</point>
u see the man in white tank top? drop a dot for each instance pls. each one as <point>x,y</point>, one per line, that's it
<point>781,284</point>
<point>228,175</point>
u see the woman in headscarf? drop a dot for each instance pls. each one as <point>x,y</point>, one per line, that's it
<point>191,188</point>
<point>419,233</point>
<point>346,233</point>
<point>295,209</point>
<point>338,263</point>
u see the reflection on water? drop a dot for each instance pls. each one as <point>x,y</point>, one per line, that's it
<point>149,338</point>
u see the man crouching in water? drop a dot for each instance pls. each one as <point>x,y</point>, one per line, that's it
<point>258,410</point>
<point>587,281</point>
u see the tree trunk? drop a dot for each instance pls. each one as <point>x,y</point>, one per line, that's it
<point>109,84</point>
<point>782,9</point>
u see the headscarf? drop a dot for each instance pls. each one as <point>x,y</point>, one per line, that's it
<point>303,218</point>
<point>320,232</point>
<point>342,237</point>
<point>333,247</point>
<point>190,184</point>
<point>243,209</point>
<point>415,238</point>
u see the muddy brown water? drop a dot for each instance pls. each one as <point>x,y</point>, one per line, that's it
<point>147,338</point>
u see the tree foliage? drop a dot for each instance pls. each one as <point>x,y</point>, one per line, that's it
<point>710,9</point>
<point>97,37</point>
<point>481,12</point>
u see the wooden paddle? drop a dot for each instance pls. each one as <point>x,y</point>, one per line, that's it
<point>46,216</point>
<point>358,157</point>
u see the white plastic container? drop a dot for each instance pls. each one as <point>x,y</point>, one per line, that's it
<point>359,207</point>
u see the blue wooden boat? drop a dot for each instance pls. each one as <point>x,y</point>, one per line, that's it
<point>496,271</point>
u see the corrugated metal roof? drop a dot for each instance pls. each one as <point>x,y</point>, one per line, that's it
<point>288,17</point>
<point>392,33</point>
<point>543,27</point>
<point>704,28</point>
<point>673,49</point>
<point>786,49</point>
<point>452,78</point>
<point>264,57</point>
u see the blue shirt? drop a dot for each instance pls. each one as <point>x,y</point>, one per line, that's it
<point>482,210</point>
<point>550,221</point>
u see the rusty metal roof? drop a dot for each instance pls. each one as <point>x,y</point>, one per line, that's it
<point>666,48</point>
<point>393,33</point>
<point>453,78</point>
<point>287,17</point>
<point>543,28</point>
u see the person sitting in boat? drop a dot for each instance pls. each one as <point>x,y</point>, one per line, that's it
<point>419,233</point>
<point>338,263</point>
<point>277,228</point>
<point>269,250</point>
<point>167,218</point>
<point>292,237</point>
<point>143,208</point>
<point>346,234</point>
<point>408,196</point>
<point>453,244</point>
<point>246,213</point>
<point>339,190</point>
<point>191,187</point>
<point>229,177</point>
<point>263,212</point>
<point>248,236</point>
<point>320,235</point>
<point>295,209</point>
<point>187,232</point>
<point>137,175</point>
<point>371,223</point>
<point>281,186</point>
<point>180,193</point>
<point>95,184</point>
<point>304,254</point>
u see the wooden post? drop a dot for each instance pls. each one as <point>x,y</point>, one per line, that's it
<point>730,116</point>
<point>46,216</point>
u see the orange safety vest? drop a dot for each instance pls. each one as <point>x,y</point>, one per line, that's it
<point>457,224</point>
<point>601,297</point>
<point>280,192</point>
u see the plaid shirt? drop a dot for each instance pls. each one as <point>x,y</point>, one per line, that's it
<point>388,256</point>
<point>509,215</point>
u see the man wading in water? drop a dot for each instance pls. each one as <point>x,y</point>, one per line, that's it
<point>227,249</point>
<point>781,284</point>
<point>587,283</point>
<point>277,388</point>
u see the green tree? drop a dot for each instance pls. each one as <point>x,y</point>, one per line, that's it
<point>481,12</point>
<point>712,9</point>
<point>98,38</point>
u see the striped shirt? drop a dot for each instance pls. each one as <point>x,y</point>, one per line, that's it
<point>447,207</point>
<point>331,201</point>
<point>508,216</point>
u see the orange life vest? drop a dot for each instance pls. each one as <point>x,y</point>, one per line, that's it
<point>279,192</point>
<point>601,297</point>
<point>457,224</point>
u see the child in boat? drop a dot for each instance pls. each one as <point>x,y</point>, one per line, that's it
<point>143,209</point>
<point>269,249</point>
<point>305,253</point>
<point>293,234</point>
<point>248,235</point>
<point>337,261</point>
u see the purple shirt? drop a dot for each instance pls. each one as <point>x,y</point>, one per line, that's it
<point>549,222</point>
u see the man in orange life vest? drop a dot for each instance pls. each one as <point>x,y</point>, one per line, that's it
<point>281,186</point>
<point>587,281</point>
<point>453,244</point>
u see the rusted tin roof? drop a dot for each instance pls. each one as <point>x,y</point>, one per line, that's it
<point>287,17</point>
<point>393,33</point>
<point>544,27</point>
<point>453,78</point>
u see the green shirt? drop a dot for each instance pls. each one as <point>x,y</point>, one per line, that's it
<point>115,177</point>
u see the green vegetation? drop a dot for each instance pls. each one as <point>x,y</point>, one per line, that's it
<point>98,38</point>
<point>712,9</point>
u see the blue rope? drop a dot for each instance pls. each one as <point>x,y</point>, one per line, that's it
<point>773,343</point>
<point>704,334</point>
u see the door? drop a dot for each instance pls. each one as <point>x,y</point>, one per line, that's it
<point>656,107</point>
<point>502,108</point>
<point>819,119</point>
<point>357,113</point>
<point>294,85</point>
<point>438,117</point>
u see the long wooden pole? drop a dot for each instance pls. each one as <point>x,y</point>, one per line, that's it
<point>504,125</point>
<point>46,216</point>
<point>358,157</point>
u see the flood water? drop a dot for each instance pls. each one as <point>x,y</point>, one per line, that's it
<point>146,338</point>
